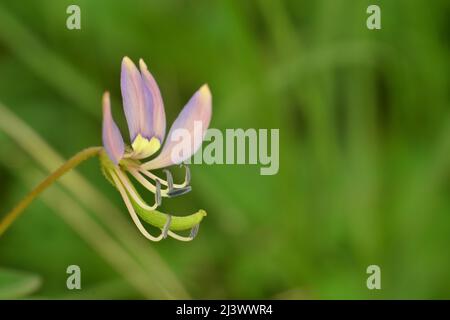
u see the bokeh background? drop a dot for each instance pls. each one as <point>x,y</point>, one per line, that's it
<point>364,123</point>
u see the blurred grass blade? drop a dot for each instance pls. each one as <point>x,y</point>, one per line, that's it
<point>48,65</point>
<point>17,284</point>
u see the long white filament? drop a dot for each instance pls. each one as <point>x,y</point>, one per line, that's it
<point>133,214</point>
<point>178,237</point>
<point>127,184</point>
<point>138,176</point>
<point>123,185</point>
<point>162,181</point>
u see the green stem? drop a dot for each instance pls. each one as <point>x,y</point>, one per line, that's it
<point>25,202</point>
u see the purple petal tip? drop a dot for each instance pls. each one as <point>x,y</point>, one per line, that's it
<point>112,139</point>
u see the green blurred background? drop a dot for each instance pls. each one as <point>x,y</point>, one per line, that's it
<point>364,123</point>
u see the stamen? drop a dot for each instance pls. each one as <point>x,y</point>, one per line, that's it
<point>187,175</point>
<point>138,176</point>
<point>165,193</point>
<point>194,231</point>
<point>169,179</point>
<point>191,237</point>
<point>165,230</point>
<point>132,191</point>
<point>178,192</point>
<point>173,192</point>
<point>154,177</point>
<point>133,214</point>
<point>158,199</point>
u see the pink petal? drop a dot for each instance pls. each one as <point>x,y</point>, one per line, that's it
<point>193,120</point>
<point>155,100</point>
<point>112,139</point>
<point>138,110</point>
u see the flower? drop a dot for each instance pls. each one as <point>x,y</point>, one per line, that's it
<point>146,119</point>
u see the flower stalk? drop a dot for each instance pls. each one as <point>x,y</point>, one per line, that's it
<point>81,156</point>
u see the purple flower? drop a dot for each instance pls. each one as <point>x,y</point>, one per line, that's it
<point>146,119</point>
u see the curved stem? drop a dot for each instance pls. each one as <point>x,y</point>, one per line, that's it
<point>25,202</point>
